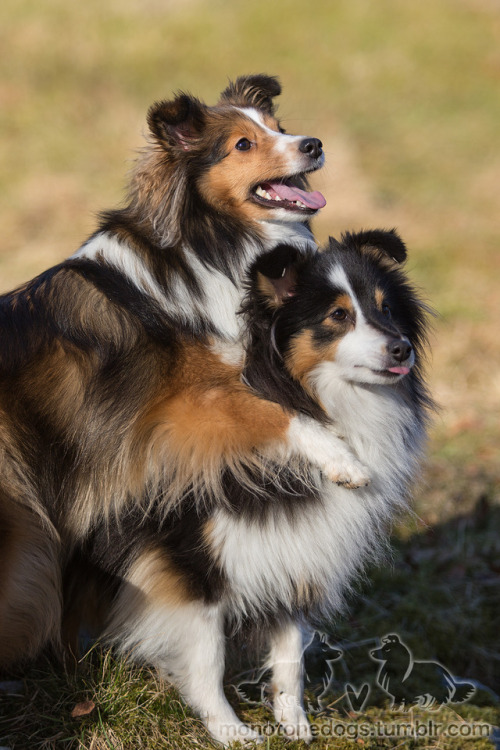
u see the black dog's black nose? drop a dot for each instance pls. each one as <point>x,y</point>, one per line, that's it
<point>399,349</point>
<point>311,146</point>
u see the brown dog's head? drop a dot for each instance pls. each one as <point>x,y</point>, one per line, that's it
<point>236,155</point>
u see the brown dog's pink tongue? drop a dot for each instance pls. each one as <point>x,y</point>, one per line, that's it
<point>285,192</point>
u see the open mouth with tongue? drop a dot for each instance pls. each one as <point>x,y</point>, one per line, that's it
<point>281,194</point>
<point>391,371</point>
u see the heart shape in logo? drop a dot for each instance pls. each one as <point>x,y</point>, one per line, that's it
<point>357,698</point>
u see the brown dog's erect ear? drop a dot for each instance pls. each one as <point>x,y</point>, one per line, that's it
<point>276,274</point>
<point>383,242</point>
<point>177,123</point>
<point>252,91</point>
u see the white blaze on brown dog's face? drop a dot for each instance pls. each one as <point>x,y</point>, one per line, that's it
<point>261,172</point>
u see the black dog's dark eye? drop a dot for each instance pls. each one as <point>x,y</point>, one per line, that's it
<point>339,314</point>
<point>243,144</point>
<point>386,310</point>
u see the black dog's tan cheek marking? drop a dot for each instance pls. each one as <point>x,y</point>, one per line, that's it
<point>307,351</point>
<point>303,355</point>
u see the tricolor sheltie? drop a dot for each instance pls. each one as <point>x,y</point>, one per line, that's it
<point>156,484</point>
<point>336,336</point>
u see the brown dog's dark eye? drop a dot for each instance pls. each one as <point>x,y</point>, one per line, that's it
<point>386,310</point>
<point>339,314</point>
<point>243,144</point>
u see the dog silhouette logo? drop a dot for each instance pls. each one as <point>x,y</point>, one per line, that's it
<point>410,682</point>
<point>256,689</point>
<point>319,656</point>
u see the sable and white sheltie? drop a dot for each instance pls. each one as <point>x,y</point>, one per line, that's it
<point>155,483</point>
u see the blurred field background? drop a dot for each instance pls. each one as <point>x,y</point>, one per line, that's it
<point>406,99</point>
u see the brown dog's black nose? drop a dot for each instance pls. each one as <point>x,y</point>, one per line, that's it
<point>399,349</point>
<point>311,146</point>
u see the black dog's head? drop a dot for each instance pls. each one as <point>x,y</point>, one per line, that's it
<point>347,313</point>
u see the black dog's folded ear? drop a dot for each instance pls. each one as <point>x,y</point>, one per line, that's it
<point>177,123</point>
<point>389,243</point>
<point>252,91</point>
<point>275,273</point>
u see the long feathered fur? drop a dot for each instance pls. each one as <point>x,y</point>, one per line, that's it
<point>159,480</point>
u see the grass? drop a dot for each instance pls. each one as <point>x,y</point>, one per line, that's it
<point>405,99</point>
<point>130,708</point>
